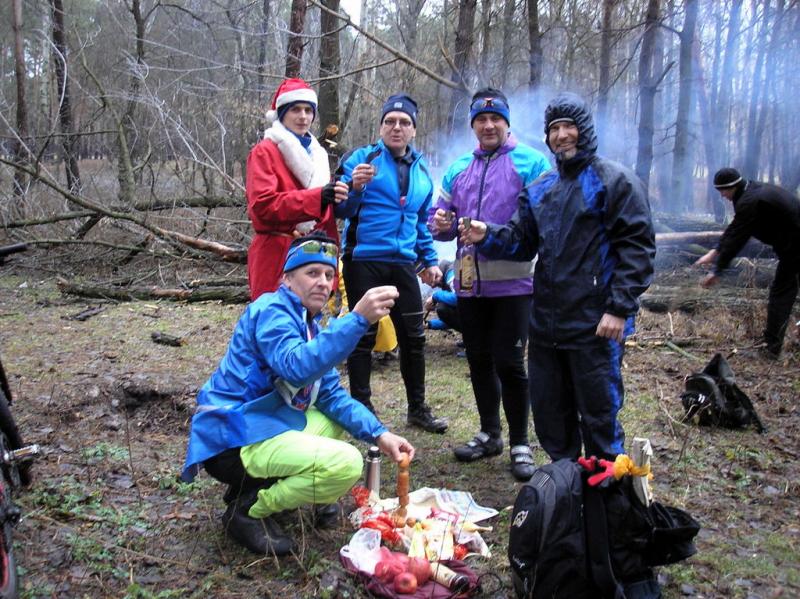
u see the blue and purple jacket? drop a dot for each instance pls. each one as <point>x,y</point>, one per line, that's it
<point>484,186</point>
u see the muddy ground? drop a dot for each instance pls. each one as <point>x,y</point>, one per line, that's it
<point>106,516</point>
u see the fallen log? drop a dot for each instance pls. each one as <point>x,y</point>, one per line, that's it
<point>688,237</point>
<point>662,299</point>
<point>233,295</point>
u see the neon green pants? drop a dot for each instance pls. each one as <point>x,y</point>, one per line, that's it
<point>314,466</point>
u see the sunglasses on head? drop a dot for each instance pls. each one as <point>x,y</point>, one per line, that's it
<point>482,103</point>
<point>312,246</point>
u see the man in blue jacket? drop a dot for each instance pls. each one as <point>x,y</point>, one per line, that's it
<point>385,237</point>
<point>589,220</point>
<point>269,420</point>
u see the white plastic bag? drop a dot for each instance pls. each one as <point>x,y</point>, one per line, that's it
<point>364,549</point>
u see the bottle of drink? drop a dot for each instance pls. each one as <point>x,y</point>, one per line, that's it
<point>373,477</point>
<point>466,261</point>
<point>448,578</point>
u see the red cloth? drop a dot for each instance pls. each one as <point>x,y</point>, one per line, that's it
<point>276,204</point>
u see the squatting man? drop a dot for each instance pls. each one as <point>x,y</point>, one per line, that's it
<point>270,419</point>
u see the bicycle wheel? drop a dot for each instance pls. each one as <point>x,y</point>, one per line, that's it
<point>9,514</point>
<point>12,440</point>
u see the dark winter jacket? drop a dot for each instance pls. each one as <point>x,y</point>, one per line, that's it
<point>768,213</point>
<point>590,223</point>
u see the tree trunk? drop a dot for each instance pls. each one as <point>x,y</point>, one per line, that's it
<point>722,109</point>
<point>65,105</point>
<point>759,105</point>
<point>22,143</point>
<point>682,177</point>
<point>713,199</point>
<point>647,93</point>
<point>463,49</point>
<point>536,56</point>
<point>605,69</point>
<point>126,139</point>
<point>508,27</point>
<point>294,47</point>
<point>262,53</point>
<point>486,33</point>
<point>749,168</point>
<point>329,64</point>
<point>789,155</point>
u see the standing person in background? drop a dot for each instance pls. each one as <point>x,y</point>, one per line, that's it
<point>589,220</point>
<point>289,190</point>
<point>442,301</point>
<point>384,237</point>
<point>771,215</point>
<point>494,296</point>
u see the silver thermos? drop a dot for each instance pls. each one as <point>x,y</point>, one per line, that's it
<point>374,470</point>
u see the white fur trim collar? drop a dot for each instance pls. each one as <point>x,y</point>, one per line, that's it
<point>311,170</point>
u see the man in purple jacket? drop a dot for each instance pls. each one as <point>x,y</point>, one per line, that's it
<point>493,296</point>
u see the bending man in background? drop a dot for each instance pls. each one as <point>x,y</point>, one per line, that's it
<point>771,215</point>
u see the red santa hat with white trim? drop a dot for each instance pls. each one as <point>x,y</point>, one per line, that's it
<point>290,92</point>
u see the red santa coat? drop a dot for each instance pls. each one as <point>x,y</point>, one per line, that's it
<point>283,190</point>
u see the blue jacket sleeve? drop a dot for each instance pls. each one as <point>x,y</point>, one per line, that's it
<point>344,173</point>
<point>298,360</point>
<point>516,240</point>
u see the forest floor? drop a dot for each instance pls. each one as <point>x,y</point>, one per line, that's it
<point>106,516</point>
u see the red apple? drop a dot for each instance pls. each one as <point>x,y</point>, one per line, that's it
<point>405,583</point>
<point>386,570</point>
<point>420,568</point>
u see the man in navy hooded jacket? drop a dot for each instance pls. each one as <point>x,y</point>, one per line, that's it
<point>589,221</point>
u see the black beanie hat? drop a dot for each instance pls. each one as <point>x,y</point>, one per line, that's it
<point>727,177</point>
<point>403,103</point>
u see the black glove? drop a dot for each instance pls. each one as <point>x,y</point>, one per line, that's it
<point>328,195</point>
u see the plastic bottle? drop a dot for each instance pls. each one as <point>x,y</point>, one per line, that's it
<point>373,477</point>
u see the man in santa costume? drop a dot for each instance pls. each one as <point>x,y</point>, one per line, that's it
<point>289,189</point>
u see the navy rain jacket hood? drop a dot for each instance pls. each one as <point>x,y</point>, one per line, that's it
<point>571,106</point>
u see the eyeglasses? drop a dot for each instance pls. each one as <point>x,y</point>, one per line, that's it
<point>392,123</point>
<point>483,103</point>
<point>312,246</point>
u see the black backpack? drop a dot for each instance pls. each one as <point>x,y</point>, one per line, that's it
<point>711,397</point>
<point>572,540</point>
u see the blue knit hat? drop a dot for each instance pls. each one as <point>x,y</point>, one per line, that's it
<point>489,99</point>
<point>403,103</point>
<point>313,248</point>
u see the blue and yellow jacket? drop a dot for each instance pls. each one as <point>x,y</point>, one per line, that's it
<point>381,225</point>
<point>271,373</point>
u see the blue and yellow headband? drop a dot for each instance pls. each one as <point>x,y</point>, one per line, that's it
<point>312,251</point>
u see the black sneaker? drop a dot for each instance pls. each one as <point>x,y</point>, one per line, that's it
<point>421,417</point>
<point>522,465</point>
<point>262,536</point>
<point>482,446</point>
<point>327,516</point>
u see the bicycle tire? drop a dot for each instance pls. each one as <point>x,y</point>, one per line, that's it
<point>13,440</point>
<point>8,564</point>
